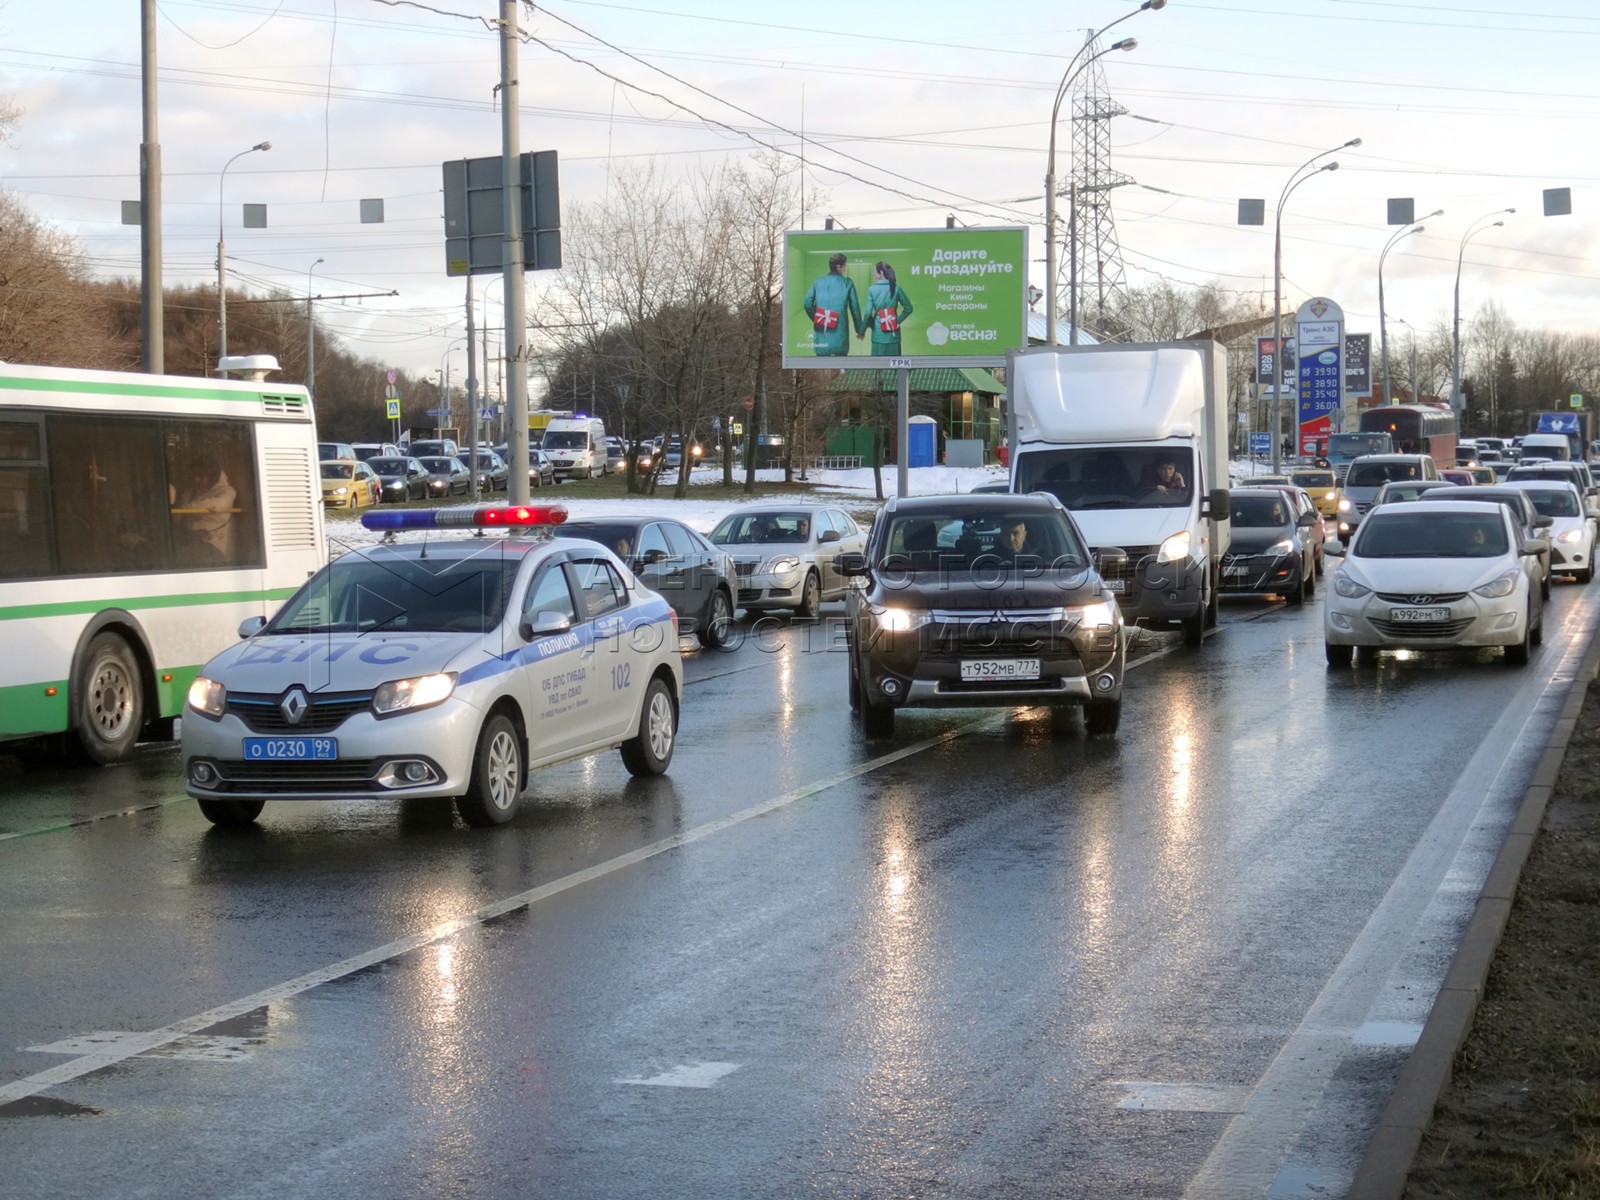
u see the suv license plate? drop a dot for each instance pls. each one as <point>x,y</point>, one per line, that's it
<point>290,749</point>
<point>1115,585</point>
<point>977,669</point>
<point>1410,615</point>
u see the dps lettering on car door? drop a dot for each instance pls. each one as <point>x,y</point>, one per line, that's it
<point>560,657</point>
<point>611,662</point>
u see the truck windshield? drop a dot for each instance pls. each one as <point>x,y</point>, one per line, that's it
<point>1346,447</point>
<point>1101,477</point>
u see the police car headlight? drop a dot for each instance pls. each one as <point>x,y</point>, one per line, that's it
<point>781,566</point>
<point>1175,548</point>
<point>207,696</point>
<point>407,695</point>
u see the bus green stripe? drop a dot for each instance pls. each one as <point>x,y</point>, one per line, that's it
<point>23,612</point>
<point>123,388</point>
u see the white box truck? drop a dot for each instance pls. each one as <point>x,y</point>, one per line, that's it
<point>1133,438</point>
<point>576,446</point>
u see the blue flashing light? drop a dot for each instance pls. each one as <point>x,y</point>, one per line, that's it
<point>483,516</point>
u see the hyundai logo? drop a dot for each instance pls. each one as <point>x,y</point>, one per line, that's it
<point>1420,599</point>
<point>294,704</point>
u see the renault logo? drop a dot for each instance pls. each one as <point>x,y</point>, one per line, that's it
<point>294,704</point>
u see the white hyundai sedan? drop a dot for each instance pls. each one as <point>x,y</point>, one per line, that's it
<point>1572,529</point>
<point>1430,576</point>
<point>438,668</point>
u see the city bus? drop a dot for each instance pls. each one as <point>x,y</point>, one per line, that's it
<point>142,519</point>
<point>1416,429</point>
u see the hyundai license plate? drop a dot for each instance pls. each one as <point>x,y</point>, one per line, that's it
<point>1413,615</point>
<point>291,749</point>
<point>977,670</point>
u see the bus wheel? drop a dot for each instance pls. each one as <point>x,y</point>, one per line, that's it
<point>109,694</point>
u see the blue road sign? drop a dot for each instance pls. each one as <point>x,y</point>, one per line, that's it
<point>1260,443</point>
<point>438,412</point>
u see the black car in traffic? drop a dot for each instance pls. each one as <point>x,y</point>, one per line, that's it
<point>447,475</point>
<point>981,600</point>
<point>1272,551</point>
<point>402,478</point>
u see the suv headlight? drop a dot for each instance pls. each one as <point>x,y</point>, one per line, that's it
<point>780,566</point>
<point>1501,585</point>
<point>901,620</point>
<point>1349,588</point>
<point>1093,616</point>
<point>207,696</point>
<point>407,695</point>
<point>1175,548</point>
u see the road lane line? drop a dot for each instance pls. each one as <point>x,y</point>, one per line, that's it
<point>1247,1156</point>
<point>135,1044</point>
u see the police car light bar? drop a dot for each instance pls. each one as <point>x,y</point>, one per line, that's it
<point>481,517</point>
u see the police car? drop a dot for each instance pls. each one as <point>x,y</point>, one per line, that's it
<point>438,667</point>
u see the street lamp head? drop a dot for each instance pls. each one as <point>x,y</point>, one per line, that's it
<point>262,146</point>
<point>1152,5</point>
<point>1125,44</point>
<point>1353,142</point>
<point>1509,210</point>
<point>1438,212</point>
<point>1333,166</point>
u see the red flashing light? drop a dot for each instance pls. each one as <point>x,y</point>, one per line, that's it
<point>521,514</point>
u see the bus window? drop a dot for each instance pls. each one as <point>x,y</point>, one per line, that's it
<point>210,480</point>
<point>109,495</point>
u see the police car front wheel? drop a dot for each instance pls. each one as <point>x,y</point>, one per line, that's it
<point>649,752</point>
<point>495,789</point>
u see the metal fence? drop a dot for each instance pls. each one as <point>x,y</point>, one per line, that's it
<point>838,462</point>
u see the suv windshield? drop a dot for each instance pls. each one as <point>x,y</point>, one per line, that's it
<point>1401,534</point>
<point>958,538</point>
<point>1106,477</point>
<point>355,594</point>
<point>1375,474</point>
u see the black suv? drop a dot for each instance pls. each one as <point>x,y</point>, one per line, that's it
<point>981,600</point>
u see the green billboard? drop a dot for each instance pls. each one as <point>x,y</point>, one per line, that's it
<point>904,298</point>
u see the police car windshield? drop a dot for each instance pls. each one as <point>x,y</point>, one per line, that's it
<point>355,594</point>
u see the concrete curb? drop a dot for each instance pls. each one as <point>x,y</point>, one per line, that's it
<point>1387,1163</point>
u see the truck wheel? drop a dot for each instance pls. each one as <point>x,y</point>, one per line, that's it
<point>109,696</point>
<point>1194,629</point>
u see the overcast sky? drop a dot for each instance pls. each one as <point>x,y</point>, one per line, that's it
<point>912,111</point>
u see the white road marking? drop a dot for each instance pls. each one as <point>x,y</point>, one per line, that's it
<point>134,1045</point>
<point>690,1075</point>
<point>1246,1158</point>
<point>1183,1097</point>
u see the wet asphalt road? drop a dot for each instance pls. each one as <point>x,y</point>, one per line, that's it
<point>981,959</point>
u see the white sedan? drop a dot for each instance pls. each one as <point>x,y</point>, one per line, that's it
<point>1430,575</point>
<point>785,555</point>
<point>1572,529</point>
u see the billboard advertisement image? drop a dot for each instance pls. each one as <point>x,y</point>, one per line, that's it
<point>904,298</point>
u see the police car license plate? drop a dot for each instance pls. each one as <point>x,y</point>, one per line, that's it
<point>1411,615</point>
<point>291,749</point>
<point>979,669</point>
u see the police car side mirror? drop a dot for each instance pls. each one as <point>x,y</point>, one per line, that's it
<point>543,625</point>
<point>251,626</point>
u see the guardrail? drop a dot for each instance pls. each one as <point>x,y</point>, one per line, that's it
<point>838,462</point>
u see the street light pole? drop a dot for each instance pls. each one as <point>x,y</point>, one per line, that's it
<point>222,257</point>
<point>1074,69</point>
<point>1301,174</point>
<point>1455,335</point>
<point>311,338</point>
<point>1383,327</point>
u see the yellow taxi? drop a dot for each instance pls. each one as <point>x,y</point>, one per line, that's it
<point>1322,485</point>
<point>349,485</point>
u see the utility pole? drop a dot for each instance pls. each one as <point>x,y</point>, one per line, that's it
<point>516,348</point>
<point>152,319</point>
